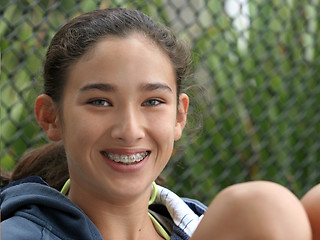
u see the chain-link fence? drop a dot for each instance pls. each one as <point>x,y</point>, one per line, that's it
<point>256,94</point>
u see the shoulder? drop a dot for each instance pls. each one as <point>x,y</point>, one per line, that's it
<point>42,212</point>
<point>23,204</point>
<point>18,227</point>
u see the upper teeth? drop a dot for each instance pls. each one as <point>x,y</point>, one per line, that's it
<point>127,159</point>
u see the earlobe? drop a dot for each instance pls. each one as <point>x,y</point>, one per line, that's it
<point>181,115</point>
<point>47,116</point>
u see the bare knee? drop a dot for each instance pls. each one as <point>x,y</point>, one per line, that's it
<point>311,203</point>
<point>257,210</point>
<point>274,211</point>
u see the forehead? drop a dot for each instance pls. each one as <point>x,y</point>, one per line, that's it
<point>134,58</point>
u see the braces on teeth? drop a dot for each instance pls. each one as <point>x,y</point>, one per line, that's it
<point>134,158</point>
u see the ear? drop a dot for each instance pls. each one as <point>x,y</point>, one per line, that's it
<point>47,117</point>
<point>181,115</point>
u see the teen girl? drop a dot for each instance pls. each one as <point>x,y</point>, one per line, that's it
<point>113,97</point>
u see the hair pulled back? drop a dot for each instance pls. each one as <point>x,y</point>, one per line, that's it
<point>82,33</point>
<point>48,162</point>
<point>69,44</point>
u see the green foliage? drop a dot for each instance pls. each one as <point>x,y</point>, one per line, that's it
<point>265,111</point>
<point>258,101</point>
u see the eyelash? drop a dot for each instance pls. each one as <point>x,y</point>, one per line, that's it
<point>98,102</point>
<point>104,103</point>
<point>147,103</point>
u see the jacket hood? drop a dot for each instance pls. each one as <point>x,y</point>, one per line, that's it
<point>33,199</point>
<point>45,213</point>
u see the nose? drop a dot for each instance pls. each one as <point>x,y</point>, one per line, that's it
<point>128,126</point>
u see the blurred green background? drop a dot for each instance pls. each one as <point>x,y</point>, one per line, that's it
<point>255,93</point>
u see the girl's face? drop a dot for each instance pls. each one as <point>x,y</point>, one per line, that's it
<point>120,117</point>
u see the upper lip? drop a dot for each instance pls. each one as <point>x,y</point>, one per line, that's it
<point>125,151</point>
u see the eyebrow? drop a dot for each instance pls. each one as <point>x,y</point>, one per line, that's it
<point>156,86</point>
<point>99,86</point>
<point>105,87</point>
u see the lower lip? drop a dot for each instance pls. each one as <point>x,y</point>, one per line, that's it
<point>126,168</point>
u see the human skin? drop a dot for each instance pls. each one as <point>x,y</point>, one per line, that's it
<point>120,99</point>
<point>254,210</point>
<point>311,203</point>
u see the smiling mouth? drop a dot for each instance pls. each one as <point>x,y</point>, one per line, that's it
<point>127,159</point>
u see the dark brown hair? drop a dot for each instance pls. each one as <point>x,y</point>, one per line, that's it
<point>71,43</point>
<point>81,34</point>
<point>48,161</point>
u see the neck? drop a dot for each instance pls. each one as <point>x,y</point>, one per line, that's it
<point>117,219</point>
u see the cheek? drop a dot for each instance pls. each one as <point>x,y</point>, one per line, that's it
<point>80,132</point>
<point>163,129</point>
